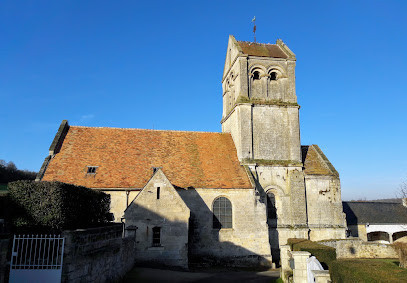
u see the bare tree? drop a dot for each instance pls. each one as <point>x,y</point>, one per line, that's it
<point>402,190</point>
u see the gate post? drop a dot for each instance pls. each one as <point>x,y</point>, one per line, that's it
<point>300,274</point>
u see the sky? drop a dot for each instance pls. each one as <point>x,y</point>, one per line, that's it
<point>159,65</point>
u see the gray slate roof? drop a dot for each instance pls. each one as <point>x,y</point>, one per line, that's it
<point>358,212</point>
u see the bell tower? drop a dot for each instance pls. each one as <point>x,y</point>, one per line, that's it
<point>260,107</point>
<point>261,113</point>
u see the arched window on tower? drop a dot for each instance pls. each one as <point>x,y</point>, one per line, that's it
<point>276,85</point>
<point>273,76</point>
<point>256,75</point>
<point>257,84</point>
<point>222,213</point>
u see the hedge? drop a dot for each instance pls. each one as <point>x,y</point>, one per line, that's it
<point>56,206</point>
<point>324,254</point>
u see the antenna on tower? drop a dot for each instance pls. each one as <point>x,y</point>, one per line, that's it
<point>254,28</point>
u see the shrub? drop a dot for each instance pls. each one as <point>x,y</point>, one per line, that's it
<point>56,205</point>
<point>324,254</point>
<point>401,248</point>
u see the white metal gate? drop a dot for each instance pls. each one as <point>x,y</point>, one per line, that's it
<point>37,258</point>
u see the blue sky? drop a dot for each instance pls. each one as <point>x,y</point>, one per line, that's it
<point>158,64</point>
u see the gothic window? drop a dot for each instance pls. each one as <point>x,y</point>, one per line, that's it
<point>156,236</point>
<point>222,213</point>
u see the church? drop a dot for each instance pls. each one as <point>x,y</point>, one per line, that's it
<point>230,198</point>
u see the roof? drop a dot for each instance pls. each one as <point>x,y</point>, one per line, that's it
<point>125,158</point>
<point>262,49</point>
<point>358,212</point>
<point>315,161</point>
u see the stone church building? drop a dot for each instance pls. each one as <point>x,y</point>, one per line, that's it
<point>232,197</point>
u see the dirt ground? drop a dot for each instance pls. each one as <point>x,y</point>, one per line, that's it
<point>141,274</point>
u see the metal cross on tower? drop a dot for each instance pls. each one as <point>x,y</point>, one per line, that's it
<point>254,27</point>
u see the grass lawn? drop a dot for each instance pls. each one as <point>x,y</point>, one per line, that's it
<point>368,270</point>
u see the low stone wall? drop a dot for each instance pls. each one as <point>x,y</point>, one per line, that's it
<point>97,255</point>
<point>356,248</point>
<point>4,247</point>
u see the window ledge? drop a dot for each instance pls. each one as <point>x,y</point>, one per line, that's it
<point>226,230</point>
<point>161,248</point>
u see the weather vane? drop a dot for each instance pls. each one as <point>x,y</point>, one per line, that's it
<point>254,27</point>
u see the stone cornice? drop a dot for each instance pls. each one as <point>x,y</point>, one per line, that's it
<point>265,162</point>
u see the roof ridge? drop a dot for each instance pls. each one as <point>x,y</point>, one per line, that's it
<point>327,163</point>
<point>118,128</point>
<point>371,201</point>
<point>250,42</point>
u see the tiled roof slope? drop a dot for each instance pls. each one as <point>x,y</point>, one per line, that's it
<point>126,156</point>
<point>262,49</point>
<point>315,161</point>
<point>374,212</point>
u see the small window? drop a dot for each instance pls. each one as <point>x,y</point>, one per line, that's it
<point>256,75</point>
<point>92,169</point>
<point>156,236</point>
<point>158,192</point>
<point>273,76</point>
<point>222,213</point>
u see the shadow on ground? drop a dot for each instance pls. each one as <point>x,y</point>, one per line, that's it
<point>141,274</point>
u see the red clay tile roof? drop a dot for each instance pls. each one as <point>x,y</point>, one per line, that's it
<point>262,49</point>
<point>126,156</point>
<point>315,161</point>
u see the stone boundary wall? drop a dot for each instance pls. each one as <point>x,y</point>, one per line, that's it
<point>97,254</point>
<point>356,248</point>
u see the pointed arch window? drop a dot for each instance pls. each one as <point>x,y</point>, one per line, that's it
<point>222,213</point>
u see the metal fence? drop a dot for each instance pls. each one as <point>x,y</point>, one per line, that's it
<point>37,258</point>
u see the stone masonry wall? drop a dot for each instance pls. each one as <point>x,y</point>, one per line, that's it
<point>97,255</point>
<point>356,248</point>
<point>159,206</point>
<point>245,244</point>
<point>118,202</point>
<point>326,192</point>
<point>287,186</point>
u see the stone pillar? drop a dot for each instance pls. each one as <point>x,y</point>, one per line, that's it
<point>321,276</point>
<point>285,256</point>
<point>300,274</point>
<point>390,238</point>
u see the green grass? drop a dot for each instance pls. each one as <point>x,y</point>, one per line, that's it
<point>367,270</point>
